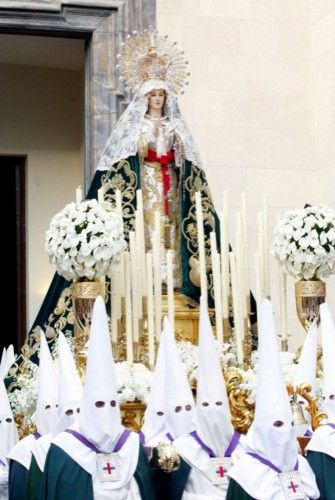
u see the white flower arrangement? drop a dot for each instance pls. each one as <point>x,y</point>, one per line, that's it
<point>188,353</point>
<point>133,382</point>
<point>85,240</point>
<point>304,242</point>
<point>289,366</point>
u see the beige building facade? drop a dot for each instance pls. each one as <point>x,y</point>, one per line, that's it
<point>261,104</point>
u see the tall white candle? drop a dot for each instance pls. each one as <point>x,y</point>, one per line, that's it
<point>258,283</point>
<point>79,195</point>
<point>212,239</point>
<point>240,261</point>
<point>238,320</point>
<point>201,245</point>
<point>140,237</point>
<point>150,310</point>
<point>114,307</point>
<point>225,278</point>
<point>128,311</point>
<point>140,263</point>
<point>217,294</point>
<point>118,206</point>
<point>119,285</point>
<point>156,248</point>
<point>245,251</point>
<point>101,196</point>
<point>134,285</point>
<point>170,287</point>
<point>261,254</point>
<point>282,302</point>
<point>266,245</point>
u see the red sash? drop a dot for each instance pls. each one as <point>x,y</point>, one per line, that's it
<point>164,161</point>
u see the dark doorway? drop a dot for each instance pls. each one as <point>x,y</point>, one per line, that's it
<point>13,328</point>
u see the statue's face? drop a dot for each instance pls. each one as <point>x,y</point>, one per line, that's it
<point>156,99</point>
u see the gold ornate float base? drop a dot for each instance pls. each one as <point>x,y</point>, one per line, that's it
<point>186,317</point>
<point>84,294</point>
<point>132,415</point>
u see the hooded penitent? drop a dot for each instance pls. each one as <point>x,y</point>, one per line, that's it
<point>178,394</point>
<point>46,406</point>
<point>323,439</point>
<point>99,422</point>
<point>154,428</point>
<point>212,408</point>
<point>306,371</point>
<point>70,387</point>
<point>271,436</point>
<point>208,449</point>
<point>3,363</point>
<point>8,432</point>
<point>10,357</point>
<point>69,395</point>
<point>100,418</point>
<point>47,398</point>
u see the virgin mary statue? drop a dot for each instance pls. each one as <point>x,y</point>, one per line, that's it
<point>151,148</point>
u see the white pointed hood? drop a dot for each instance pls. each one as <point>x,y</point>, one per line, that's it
<point>10,357</point>
<point>212,407</point>
<point>3,363</point>
<point>100,418</point>
<point>306,371</point>
<point>179,397</point>
<point>154,426</point>
<point>8,432</point>
<point>47,397</point>
<point>323,439</point>
<point>271,435</point>
<point>266,436</point>
<point>328,349</point>
<point>69,387</point>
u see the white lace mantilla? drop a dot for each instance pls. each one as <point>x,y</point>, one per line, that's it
<point>123,141</point>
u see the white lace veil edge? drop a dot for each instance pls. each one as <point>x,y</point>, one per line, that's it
<point>123,140</point>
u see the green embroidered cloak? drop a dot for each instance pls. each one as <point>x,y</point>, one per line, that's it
<point>63,478</point>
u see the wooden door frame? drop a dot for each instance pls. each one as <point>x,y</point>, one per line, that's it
<point>21,249</point>
<point>104,29</point>
<point>19,162</point>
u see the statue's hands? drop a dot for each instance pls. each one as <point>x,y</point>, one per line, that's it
<point>165,457</point>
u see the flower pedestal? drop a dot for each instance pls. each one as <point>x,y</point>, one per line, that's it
<point>309,295</point>
<point>84,294</point>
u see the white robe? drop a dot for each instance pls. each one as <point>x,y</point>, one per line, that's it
<point>263,483</point>
<point>21,452</point>
<point>199,486</point>
<point>323,440</point>
<point>126,488</point>
<point>4,481</point>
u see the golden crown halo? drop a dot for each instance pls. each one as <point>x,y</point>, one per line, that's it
<point>151,56</point>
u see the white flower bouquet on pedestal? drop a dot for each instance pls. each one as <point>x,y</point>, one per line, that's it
<point>304,242</point>
<point>85,241</point>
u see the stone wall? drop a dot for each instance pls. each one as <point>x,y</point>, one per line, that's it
<point>261,105</point>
